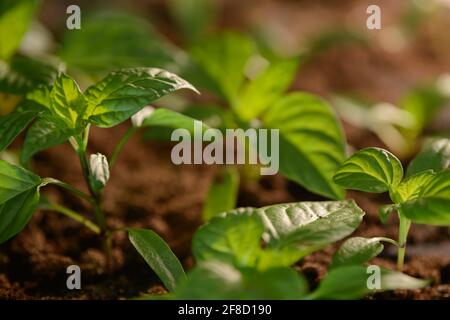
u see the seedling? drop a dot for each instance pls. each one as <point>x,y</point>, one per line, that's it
<point>247,254</point>
<point>253,90</point>
<point>61,113</point>
<point>420,196</point>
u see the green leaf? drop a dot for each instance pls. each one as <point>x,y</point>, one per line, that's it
<point>222,194</point>
<point>357,250</point>
<point>431,205</point>
<point>19,196</point>
<point>265,89</point>
<point>193,17</point>
<point>12,124</point>
<point>234,239</point>
<point>310,225</point>
<point>15,16</point>
<point>371,170</point>
<point>434,156</point>
<point>158,256</point>
<point>223,58</point>
<point>67,104</point>
<point>121,41</point>
<point>15,180</point>
<point>385,211</point>
<point>410,188</point>
<point>123,93</point>
<point>220,281</point>
<point>309,133</point>
<point>351,282</point>
<point>42,134</point>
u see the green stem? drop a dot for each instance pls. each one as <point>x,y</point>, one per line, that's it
<point>130,131</point>
<point>70,188</point>
<point>73,215</point>
<point>403,230</point>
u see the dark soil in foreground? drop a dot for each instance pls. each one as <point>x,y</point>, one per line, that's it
<point>147,191</point>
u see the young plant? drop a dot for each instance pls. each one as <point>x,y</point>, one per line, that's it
<point>420,196</point>
<point>247,253</point>
<point>61,113</point>
<point>254,91</point>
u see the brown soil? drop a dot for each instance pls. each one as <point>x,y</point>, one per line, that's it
<point>147,191</point>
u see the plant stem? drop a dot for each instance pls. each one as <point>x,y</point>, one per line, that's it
<point>130,131</point>
<point>72,189</point>
<point>73,215</point>
<point>404,225</point>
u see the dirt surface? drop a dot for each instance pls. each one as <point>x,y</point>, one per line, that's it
<point>147,191</point>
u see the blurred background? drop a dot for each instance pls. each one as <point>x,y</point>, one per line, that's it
<point>390,87</point>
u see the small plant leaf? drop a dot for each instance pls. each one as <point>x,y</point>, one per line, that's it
<point>351,282</point>
<point>42,134</point>
<point>370,170</point>
<point>158,256</point>
<point>15,16</point>
<point>12,124</point>
<point>309,133</point>
<point>218,280</point>
<point>233,238</point>
<point>222,194</point>
<point>357,250</point>
<point>165,118</point>
<point>385,211</point>
<point>432,204</point>
<point>434,156</point>
<point>310,224</point>
<point>19,196</point>
<point>410,188</point>
<point>223,58</point>
<point>123,93</point>
<point>260,93</point>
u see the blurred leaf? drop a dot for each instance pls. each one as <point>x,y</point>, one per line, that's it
<point>350,282</point>
<point>311,134</point>
<point>432,204</point>
<point>222,194</point>
<point>260,93</point>
<point>357,250</point>
<point>123,93</point>
<point>158,256</point>
<point>25,74</point>
<point>234,239</point>
<point>166,118</point>
<point>435,156</point>
<point>223,58</point>
<point>193,17</point>
<point>385,211</point>
<point>217,280</point>
<point>370,170</point>
<point>15,16</point>
<point>109,41</point>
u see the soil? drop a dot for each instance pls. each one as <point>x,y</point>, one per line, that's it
<point>146,190</point>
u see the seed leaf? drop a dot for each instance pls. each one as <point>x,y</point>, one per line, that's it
<point>158,256</point>
<point>356,251</point>
<point>432,204</point>
<point>309,133</point>
<point>434,156</point>
<point>260,93</point>
<point>371,170</point>
<point>123,93</point>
